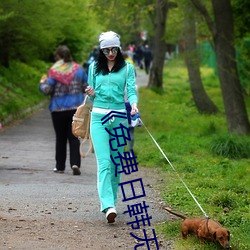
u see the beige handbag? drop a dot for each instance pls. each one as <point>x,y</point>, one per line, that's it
<point>81,126</point>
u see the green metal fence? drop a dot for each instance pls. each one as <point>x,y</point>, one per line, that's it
<point>208,58</point>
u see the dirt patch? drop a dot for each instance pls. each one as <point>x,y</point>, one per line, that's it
<point>37,219</point>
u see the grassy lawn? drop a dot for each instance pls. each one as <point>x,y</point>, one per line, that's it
<point>214,164</point>
<point>19,88</point>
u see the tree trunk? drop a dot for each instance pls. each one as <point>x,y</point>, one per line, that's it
<point>235,109</point>
<point>159,47</point>
<point>201,99</point>
<point>223,38</point>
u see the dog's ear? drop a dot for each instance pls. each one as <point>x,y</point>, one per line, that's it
<point>228,237</point>
<point>214,235</point>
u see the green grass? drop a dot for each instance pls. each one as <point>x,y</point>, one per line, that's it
<point>214,164</point>
<point>19,88</point>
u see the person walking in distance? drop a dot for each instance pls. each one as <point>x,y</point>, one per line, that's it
<point>108,77</point>
<point>147,54</point>
<point>65,83</point>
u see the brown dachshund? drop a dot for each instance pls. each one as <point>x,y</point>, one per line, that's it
<point>204,229</point>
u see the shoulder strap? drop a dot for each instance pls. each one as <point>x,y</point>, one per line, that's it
<point>85,99</point>
<point>90,149</point>
<point>86,139</point>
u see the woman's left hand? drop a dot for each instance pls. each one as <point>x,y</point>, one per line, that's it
<point>134,109</point>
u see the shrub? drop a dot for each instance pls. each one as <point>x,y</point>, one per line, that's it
<point>231,146</point>
<point>223,200</point>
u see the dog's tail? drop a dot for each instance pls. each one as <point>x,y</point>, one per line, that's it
<point>175,213</point>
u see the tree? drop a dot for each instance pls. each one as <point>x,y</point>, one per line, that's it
<point>241,17</point>
<point>201,99</point>
<point>159,44</point>
<point>28,33</point>
<point>242,33</point>
<point>128,18</point>
<point>223,38</point>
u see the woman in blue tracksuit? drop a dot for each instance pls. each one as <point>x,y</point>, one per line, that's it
<point>108,78</point>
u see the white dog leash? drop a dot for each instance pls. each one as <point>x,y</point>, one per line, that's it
<point>174,170</point>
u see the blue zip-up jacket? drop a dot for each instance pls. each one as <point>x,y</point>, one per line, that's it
<point>110,88</point>
<point>65,97</point>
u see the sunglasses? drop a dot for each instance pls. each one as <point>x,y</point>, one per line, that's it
<point>106,51</point>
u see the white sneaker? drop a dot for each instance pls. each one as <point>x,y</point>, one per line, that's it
<point>58,171</point>
<point>111,215</point>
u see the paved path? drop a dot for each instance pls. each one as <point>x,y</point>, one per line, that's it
<point>30,190</point>
<point>141,78</point>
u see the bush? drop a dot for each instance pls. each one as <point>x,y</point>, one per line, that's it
<point>231,146</point>
<point>19,88</point>
<point>224,200</point>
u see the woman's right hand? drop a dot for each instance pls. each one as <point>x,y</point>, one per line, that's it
<point>43,79</point>
<point>90,91</point>
<point>134,109</point>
